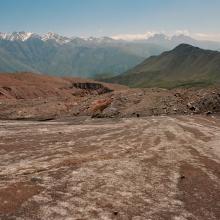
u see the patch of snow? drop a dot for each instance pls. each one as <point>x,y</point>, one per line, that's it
<point>24,36</point>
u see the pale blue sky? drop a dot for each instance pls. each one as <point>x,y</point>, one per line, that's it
<point>110,17</point>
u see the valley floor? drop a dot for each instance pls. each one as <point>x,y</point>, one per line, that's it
<point>137,168</point>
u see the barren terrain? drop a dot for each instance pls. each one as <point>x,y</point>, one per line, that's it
<point>133,168</point>
<point>39,97</point>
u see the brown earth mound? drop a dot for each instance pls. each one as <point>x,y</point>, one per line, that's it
<point>30,86</point>
<point>35,96</point>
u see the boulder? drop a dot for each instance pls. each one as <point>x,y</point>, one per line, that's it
<point>100,105</point>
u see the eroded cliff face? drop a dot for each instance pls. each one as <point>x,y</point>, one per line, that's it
<point>98,87</point>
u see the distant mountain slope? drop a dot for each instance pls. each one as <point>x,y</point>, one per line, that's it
<point>183,66</point>
<point>49,57</point>
<point>173,41</point>
<point>57,55</point>
<point>90,57</point>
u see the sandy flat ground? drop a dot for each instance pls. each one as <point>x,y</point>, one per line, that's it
<point>137,168</point>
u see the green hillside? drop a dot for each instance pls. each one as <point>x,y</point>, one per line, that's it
<point>183,66</point>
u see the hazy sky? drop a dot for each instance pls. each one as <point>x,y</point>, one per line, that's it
<point>127,18</point>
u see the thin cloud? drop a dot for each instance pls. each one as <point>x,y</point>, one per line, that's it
<point>182,32</point>
<point>146,35</point>
<point>207,36</point>
<point>132,37</point>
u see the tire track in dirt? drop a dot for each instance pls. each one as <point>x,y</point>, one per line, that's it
<point>145,168</point>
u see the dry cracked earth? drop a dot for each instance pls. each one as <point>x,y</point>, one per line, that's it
<point>137,168</point>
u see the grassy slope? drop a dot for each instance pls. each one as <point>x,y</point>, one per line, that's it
<point>184,66</point>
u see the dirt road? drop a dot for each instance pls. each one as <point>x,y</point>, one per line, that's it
<point>138,169</point>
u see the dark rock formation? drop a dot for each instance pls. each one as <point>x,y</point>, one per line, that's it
<point>99,88</point>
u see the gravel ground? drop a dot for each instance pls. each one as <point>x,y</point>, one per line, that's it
<point>135,168</point>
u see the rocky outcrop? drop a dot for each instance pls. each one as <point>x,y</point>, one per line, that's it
<point>100,105</point>
<point>209,102</point>
<point>99,88</point>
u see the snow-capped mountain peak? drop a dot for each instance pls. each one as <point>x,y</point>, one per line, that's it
<point>158,38</point>
<point>3,35</point>
<point>18,36</point>
<point>23,36</point>
<point>56,37</point>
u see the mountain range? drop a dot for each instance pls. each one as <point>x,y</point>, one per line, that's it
<point>184,66</point>
<point>54,54</point>
<point>24,36</point>
<point>57,55</point>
